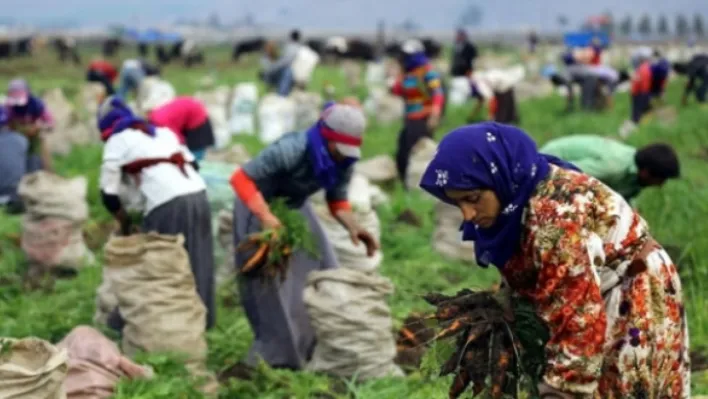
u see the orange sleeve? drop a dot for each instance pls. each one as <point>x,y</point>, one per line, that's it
<point>243,186</point>
<point>336,206</point>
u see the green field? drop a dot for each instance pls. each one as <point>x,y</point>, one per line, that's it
<point>674,214</point>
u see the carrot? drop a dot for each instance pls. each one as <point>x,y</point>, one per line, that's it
<point>256,259</point>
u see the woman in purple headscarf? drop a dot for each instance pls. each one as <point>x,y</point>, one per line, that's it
<point>609,294</point>
<point>28,115</point>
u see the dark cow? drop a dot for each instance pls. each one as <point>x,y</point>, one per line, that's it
<point>176,50</point>
<point>67,50</point>
<point>5,49</point>
<point>357,50</point>
<point>248,46</point>
<point>317,45</point>
<point>162,54</point>
<point>143,49</point>
<point>111,47</point>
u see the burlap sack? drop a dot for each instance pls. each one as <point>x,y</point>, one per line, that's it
<point>96,364</point>
<point>52,227</point>
<point>447,238</point>
<point>226,269</point>
<point>160,304</point>
<point>31,368</point>
<point>53,242</point>
<point>121,255</point>
<point>48,195</point>
<point>421,155</point>
<point>379,169</point>
<point>352,322</point>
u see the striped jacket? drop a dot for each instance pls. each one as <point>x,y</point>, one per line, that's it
<point>422,92</point>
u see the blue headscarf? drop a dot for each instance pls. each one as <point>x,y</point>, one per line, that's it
<point>497,157</point>
<point>114,116</point>
<point>415,60</point>
<point>327,171</point>
<point>34,108</point>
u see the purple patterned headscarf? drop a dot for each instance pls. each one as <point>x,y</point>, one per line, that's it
<point>496,157</point>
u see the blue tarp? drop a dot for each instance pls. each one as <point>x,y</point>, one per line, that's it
<point>584,39</point>
<point>151,36</point>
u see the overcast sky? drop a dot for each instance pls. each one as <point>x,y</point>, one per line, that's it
<point>344,14</point>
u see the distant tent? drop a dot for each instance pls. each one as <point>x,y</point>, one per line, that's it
<point>151,36</point>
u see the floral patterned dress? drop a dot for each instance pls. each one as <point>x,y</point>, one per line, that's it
<point>616,332</point>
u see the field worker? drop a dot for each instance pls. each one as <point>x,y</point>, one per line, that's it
<point>495,88</point>
<point>422,91</point>
<point>103,72</point>
<point>623,168</point>
<point>294,167</point>
<point>696,70</point>
<point>660,69</point>
<point>154,163</point>
<point>463,56</point>
<point>132,73</point>
<point>641,83</point>
<point>14,149</point>
<point>28,115</point>
<point>276,66</point>
<point>608,292</point>
<point>187,117</point>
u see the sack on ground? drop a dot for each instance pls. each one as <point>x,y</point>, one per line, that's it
<point>31,368</point>
<point>224,252</point>
<point>96,364</point>
<point>52,227</point>
<point>48,195</point>
<point>421,155</point>
<point>307,108</point>
<point>242,116</point>
<point>379,169</point>
<point>53,242</point>
<point>121,255</point>
<point>352,323</point>
<point>460,90</point>
<point>276,116</point>
<point>159,302</point>
<point>447,239</point>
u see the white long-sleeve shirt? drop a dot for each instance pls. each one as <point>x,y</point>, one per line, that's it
<point>158,184</point>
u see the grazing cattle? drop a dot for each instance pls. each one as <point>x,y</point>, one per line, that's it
<point>111,47</point>
<point>5,49</point>
<point>143,49</point>
<point>176,50</point>
<point>350,49</point>
<point>433,48</point>
<point>317,45</point>
<point>163,56</point>
<point>66,48</point>
<point>248,46</point>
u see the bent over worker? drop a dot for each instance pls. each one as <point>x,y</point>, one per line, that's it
<point>623,168</point>
<point>153,164</point>
<point>293,168</point>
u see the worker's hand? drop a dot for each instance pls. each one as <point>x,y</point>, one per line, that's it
<point>30,130</point>
<point>433,121</point>
<point>358,235</point>
<point>271,222</point>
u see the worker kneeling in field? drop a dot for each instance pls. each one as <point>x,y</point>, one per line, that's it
<point>608,293</point>
<point>276,68</point>
<point>103,72</point>
<point>422,92</point>
<point>14,149</point>
<point>187,117</point>
<point>27,114</point>
<point>620,166</point>
<point>132,74</point>
<point>293,168</point>
<point>696,70</point>
<point>150,161</point>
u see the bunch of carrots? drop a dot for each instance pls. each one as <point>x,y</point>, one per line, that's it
<point>273,249</point>
<point>499,342</point>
